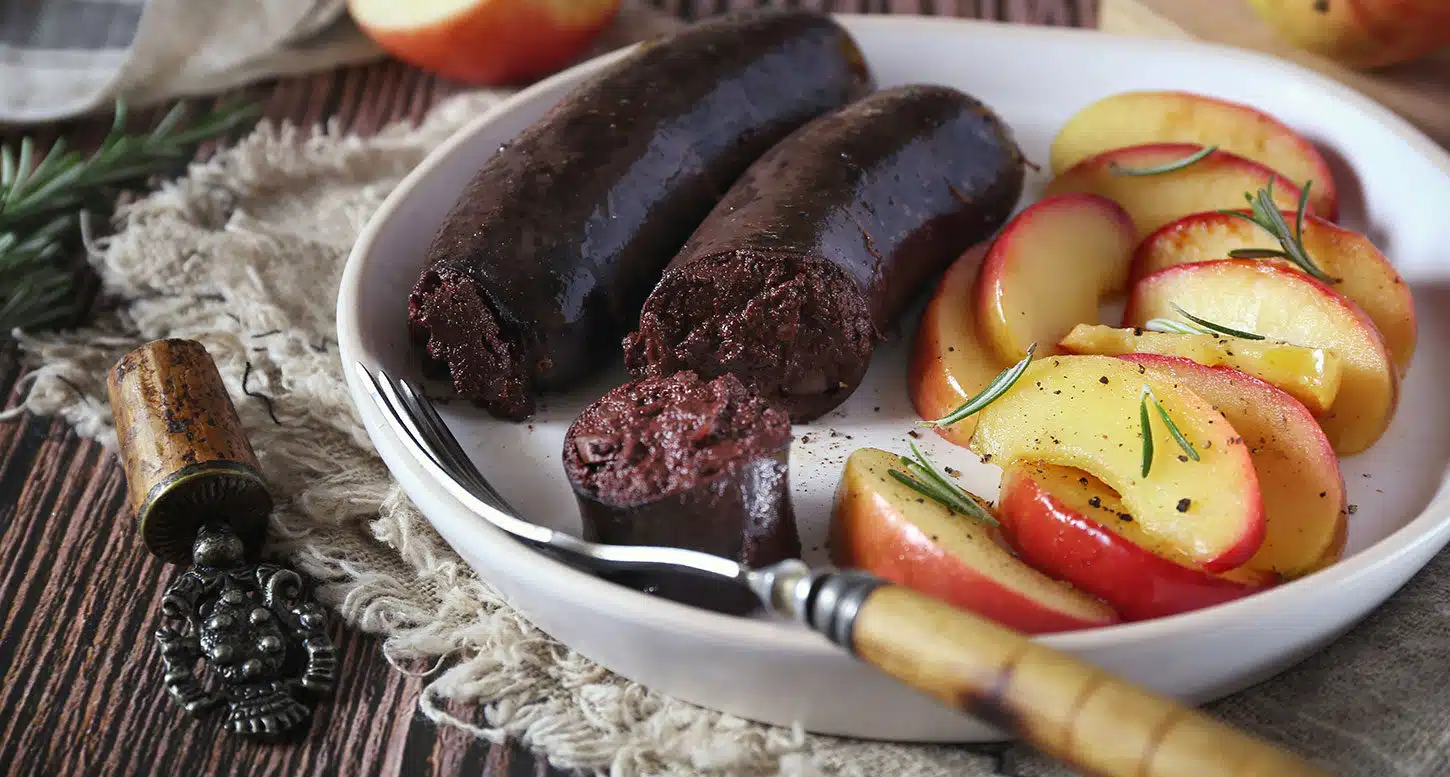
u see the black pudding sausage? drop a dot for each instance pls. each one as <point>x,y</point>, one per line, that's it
<point>683,462</point>
<point>543,263</point>
<point>818,247</point>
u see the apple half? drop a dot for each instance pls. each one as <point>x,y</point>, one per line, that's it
<point>1217,181</point>
<point>1070,525</point>
<point>1287,305</point>
<point>1139,117</point>
<point>1084,412</point>
<point>1299,476</point>
<point>1364,275</point>
<point>950,361</point>
<point>1310,375</point>
<point>484,42</point>
<point>884,527</point>
<point>1049,268</point>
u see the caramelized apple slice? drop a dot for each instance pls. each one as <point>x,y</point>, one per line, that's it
<point>950,362</point>
<point>1299,477</point>
<point>1310,375</point>
<point>1048,270</point>
<point>1286,305</point>
<point>1070,525</point>
<point>1219,180</point>
<point>1085,412</point>
<point>1363,274</point>
<point>1134,118</point>
<point>883,526</point>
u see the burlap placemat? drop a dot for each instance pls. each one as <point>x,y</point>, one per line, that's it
<point>244,254</point>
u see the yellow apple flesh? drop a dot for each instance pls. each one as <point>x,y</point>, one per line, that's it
<point>1048,270</point>
<point>1310,375</point>
<point>1286,305</point>
<point>1084,412</point>
<point>1136,118</point>
<point>882,526</point>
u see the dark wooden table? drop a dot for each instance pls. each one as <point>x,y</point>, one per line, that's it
<point>82,692</point>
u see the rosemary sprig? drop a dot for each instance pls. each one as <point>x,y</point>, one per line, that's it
<point>994,391</point>
<point>1144,399</point>
<point>44,204</point>
<point>1264,213</point>
<point>1166,167</point>
<point>1198,326</point>
<point>923,476</point>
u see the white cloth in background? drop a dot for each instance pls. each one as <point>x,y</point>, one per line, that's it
<point>63,58</point>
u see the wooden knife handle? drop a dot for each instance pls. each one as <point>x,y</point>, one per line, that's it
<point>1081,715</point>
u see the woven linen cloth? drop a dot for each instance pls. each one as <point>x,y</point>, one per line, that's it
<point>244,254</point>
<point>61,58</point>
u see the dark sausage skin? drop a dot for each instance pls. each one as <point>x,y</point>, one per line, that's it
<point>543,263</point>
<point>815,251</point>
<point>683,462</point>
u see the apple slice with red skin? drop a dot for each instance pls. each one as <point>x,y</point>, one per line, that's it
<point>1217,181</point>
<point>884,527</point>
<point>1363,274</point>
<point>1280,304</point>
<point>1071,526</point>
<point>1085,412</point>
<point>1299,475</point>
<point>1049,268</point>
<point>950,361</point>
<point>1162,116</point>
<point>484,42</point>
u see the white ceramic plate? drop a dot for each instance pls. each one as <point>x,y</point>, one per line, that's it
<point>1395,185</point>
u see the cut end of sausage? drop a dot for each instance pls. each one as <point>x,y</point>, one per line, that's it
<point>657,437</point>
<point>795,329</point>
<point>462,334</point>
<point>681,461</point>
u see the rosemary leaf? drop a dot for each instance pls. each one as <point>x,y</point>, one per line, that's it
<point>1147,427</point>
<point>1220,328</point>
<point>927,480</point>
<point>1264,213</point>
<point>1169,326</point>
<point>1178,437</point>
<point>994,391</point>
<point>1166,167</point>
<point>1257,253</point>
<point>42,204</point>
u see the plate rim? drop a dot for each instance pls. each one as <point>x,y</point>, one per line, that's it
<point>1432,524</point>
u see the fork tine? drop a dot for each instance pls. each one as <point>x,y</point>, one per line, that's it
<point>390,404</point>
<point>451,447</point>
<point>449,457</point>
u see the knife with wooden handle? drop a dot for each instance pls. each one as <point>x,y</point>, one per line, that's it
<point>1074,712</point>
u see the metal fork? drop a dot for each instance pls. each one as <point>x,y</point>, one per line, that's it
<point>1099,723</point>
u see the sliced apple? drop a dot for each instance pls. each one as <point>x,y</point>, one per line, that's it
<point>1364,275</point>
<point>1310,375</point>
<point>1084,412</point>
<point>1049,268</point>
<point>1135,118</point>
<point>1299,476</point>
<point>1286,305</point>
<point>1219,180</point>
<point>484,42</point>
<point>1070,525</point>
<point>950,362</point>
<point>888,529</point>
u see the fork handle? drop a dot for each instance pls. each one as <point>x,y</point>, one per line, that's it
<point>1077,713</point>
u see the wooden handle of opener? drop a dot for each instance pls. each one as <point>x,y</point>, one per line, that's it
<point>1077,713</point>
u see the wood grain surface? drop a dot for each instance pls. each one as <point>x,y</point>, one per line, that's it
<point>82,687</point>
